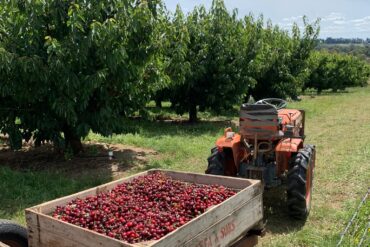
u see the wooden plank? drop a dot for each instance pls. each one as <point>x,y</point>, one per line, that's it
<point>230,182</point>
<point>56,233</point>
<point>258,123</point>
<point>45,230</point>
<point>229,229</point>
<point>33,228</point>
<point>264,116</point>
<point>259,110</point>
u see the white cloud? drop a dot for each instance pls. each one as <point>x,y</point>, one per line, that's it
<point>293,18</point>
<point>333,16</point>
<point>288,22</point>
<point>339,22</point>
<point>334,23</point>
<point>361,20</point>
<point>363,29</point>
<point>361,24</point>
<point>331,29</point>
<point>285,25</point>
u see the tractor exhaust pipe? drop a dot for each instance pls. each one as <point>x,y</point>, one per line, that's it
<point>255,149</point>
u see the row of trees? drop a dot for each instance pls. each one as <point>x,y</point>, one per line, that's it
<point>68,67</point>
<point>216,59</point>
<point>336,71</point>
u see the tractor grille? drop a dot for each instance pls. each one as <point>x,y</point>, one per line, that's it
<point>255,172</point>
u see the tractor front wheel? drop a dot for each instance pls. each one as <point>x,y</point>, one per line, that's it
<point>215,163</point>
<point>300,177</point>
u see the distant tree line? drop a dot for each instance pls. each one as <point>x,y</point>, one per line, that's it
<point>330,40</point>
<point>67,68</point>
<point>358,50</point>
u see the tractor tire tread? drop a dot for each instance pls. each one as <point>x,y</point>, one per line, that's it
<point>298,179</point>
<point>298,195</point>
<point>296,184</point>
<point>10,230</point>
<point>215,163</point>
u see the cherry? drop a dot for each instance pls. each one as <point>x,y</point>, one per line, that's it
<point>146,208</point>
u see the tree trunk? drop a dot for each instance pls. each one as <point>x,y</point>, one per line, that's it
<point>158,103</point>
<point>193,113</point>
<point>72,140</point>
<point>246,98</point>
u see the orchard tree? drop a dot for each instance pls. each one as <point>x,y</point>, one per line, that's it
<point>183,96</point>
<point>336,71</point>
<point>320,73</point>
<point>174,54</point>
<point>281,64</point>
<point>214,64</point>
<point>74,66</point>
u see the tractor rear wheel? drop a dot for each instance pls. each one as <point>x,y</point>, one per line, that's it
<point>300,177</point>
<point>215,163</point>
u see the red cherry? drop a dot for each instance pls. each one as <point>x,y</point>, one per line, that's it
<point>146,208</point>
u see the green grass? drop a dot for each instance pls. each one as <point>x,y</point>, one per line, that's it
<point>180,146</point>
<point>359,228</point>
<point>338,124</point>
<point>23,189</point>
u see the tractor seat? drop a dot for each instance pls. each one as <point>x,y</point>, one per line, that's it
<point>259,121</point>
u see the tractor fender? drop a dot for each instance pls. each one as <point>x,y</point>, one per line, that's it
<point>284,150</point>
<point>233,144</point>
<point>290,145</point>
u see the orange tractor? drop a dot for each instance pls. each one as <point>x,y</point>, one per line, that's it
<point>270,147</point>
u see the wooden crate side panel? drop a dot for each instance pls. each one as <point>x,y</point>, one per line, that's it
<point>215,214</point>
<point>32,228</point>
<point>52,232</point>
<point>55,240</point>
<point>232,227</point>
<point>231,182</point>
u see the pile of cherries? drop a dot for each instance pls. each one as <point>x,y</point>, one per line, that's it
<point>147,208</point>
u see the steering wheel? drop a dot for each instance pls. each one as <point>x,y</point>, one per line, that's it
<point>277,103</point>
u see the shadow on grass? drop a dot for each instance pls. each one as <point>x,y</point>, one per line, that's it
<point>325,92</point>
<point>35,175</point>
<point>166,112</point>
<point>276,212</point>
<point>180,128</point>
<point>94,161</point>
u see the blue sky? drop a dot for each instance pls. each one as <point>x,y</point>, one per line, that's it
<point>339,18</point>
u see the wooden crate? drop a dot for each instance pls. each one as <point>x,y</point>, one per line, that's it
<point>3,245</point>
<point>221,225</point>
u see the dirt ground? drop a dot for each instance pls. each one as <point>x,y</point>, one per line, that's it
<point>94,159</point>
